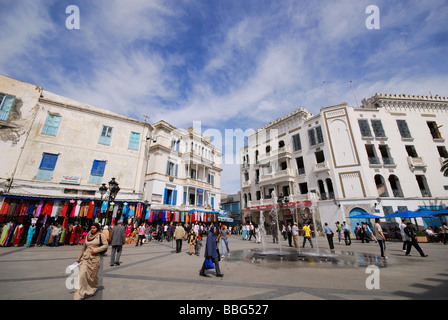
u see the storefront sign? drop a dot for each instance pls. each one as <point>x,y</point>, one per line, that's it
<point>70,180</point>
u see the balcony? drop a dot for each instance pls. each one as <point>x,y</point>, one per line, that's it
<point>280,153</point>
<point>416,163</point>
<point>389,162</point>
<point>321,167</point>
<point>281,175</point>
<point>374,162</point>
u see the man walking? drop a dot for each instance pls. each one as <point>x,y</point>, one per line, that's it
<point>141,235</point>
<point>117,239</point>
<point>379,235</point>
<point>329,233</point>
<point>295,235</point>
<point>403,235</point>
<point>412,241</point>
<point>306,235</point>
<point>225,235</point>
<point>346,229</point>
<point>179,235</point>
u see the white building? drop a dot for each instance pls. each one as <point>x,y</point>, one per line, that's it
<point>183,172</point>
<point>56,147</point>
<point>380,158</point>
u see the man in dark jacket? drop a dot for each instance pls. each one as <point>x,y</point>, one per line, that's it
<point>211,252</point>
<point>117,239</point>
<point>411,240</point>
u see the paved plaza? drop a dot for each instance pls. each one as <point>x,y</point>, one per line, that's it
<point>155,272</point>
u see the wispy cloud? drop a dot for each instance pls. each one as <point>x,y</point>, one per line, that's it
<point>230,64</point>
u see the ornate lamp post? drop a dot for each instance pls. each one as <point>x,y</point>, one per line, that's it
<point>282,201</point>
<point>103,190</point>
<point>113,189</point>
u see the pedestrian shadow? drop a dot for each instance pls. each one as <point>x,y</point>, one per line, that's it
<point>433,289</point>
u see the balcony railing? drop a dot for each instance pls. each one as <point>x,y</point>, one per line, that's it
<point>322,166</point>
<point>416,163</point>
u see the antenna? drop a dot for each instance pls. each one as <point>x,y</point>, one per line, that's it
<point>351,84</point>
<point>146,117</point>
<point>325,86</point>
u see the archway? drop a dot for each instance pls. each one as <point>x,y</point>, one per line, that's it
<point>355,221</point>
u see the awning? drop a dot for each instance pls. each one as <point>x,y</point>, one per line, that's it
<point>201,210</point>
<point>365,216</point>
<point>411,214</point>
<point>225,219</point>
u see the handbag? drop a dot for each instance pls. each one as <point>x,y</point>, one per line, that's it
<point>101,253</point>
<point>209,264</point>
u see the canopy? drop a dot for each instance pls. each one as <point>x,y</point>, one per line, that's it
<point>411,214</point>
<point>443,212</point>
<point>365,216</point>
<point>201,210</point>
<point>225,219</point>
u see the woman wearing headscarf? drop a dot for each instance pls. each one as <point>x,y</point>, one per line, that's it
<point>211,252</point>
<point>90,260</point>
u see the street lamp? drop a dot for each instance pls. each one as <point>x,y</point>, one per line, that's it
<point>103,190</point>
<point>113,189</point>
<point>282,200</point>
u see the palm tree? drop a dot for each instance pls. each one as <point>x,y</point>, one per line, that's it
<point>444,168</point>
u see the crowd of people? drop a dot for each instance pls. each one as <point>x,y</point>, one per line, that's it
<point>217,237</point>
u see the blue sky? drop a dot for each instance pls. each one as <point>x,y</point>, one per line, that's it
<point>231,64</point>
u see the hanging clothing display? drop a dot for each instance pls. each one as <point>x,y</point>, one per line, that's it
<point>90,210</point>
<point>78,207</point>
<point>47,208</point>
<point>17,235</point>
<point>55,210</point>
<point>31,232</point>
<point>5,207</point>
<point>64,209</point>
<point>39,208</point>
<point>4,236</point>
<point>30,209</point>
<point>104,206</point>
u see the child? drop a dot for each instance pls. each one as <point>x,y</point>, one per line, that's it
<point>198,245</point>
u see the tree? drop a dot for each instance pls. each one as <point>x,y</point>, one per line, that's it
<point>444,168</point>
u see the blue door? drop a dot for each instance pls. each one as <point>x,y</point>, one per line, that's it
<point>354,221</point>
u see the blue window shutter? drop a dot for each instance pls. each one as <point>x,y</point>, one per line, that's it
<point>185,197</point>
<point>175,170</point>
<point>48,161</point>
<point>174,198</point>
<point>134,141</point>
<point>5,107</point>
<point>165,196</point>
<point>213,202</point>
<point>51,125</point>
<point>167,168</point>
<point>98,168</point>
<point>106,135</point>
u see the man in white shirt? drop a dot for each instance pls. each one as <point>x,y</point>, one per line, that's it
<point>379,235</point>
<point>403,235</point>
<point>55,233</point>
<point>295,235</point>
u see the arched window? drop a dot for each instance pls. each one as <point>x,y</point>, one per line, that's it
<point>381,186</point>
<point>323,195</point>
<point>395,186</point>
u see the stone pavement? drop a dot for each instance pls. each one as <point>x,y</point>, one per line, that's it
<point>155,272</point>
